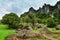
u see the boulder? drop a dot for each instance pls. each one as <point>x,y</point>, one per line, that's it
<point>45,30</point>
<point>58,27</point>
<point>26,34</point>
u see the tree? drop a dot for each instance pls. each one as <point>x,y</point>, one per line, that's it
<point>11,19</point>
<point>50,22</point>
<point>57,17</point>
<point>42,15</point>
<point>29,18</point>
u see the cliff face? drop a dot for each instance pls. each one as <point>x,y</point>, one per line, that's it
<point>45,9</point>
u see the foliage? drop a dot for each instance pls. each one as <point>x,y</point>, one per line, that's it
<point>34,18</point>
<point>25,25</point>
<point>40,18</point>
<point>30,18</point>
<point>50,22</point>
<point>11,19</point>
<point>57,17</point>
<point>42,15</point>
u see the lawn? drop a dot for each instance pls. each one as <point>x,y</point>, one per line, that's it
<point>4,31</point>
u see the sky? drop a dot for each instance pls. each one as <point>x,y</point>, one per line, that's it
<point>21,6</point>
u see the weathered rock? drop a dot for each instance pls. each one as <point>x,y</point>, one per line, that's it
<point>23,33</point>
<point>30,28</point>
<point>26,34</point>
<point>58,27</point>
<point>45,30</point>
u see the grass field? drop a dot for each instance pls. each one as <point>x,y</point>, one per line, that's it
<point>4,31</point>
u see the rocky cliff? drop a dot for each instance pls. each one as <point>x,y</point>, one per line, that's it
<point>45,9</point>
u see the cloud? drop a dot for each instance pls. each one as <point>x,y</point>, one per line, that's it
<point>51,2</point>
<point>20,6</point>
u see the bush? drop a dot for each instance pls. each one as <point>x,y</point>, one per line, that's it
<point>51,23</point>
<point>25,25</point>
<point>11,19</point>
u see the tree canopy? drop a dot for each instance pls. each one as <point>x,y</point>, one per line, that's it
<point>11,19</point>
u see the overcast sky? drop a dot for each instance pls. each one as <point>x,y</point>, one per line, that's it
<point>20,6</point>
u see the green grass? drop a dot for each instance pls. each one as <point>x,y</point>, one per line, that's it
<point>53,30</point>
<point>4,31</point>
<point>3,27</point>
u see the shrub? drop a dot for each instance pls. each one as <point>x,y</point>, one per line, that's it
<point>11,19</point>
<point>51,23</point>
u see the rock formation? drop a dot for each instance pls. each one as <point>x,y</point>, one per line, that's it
<point>45,9</point>
<point>58,27</point>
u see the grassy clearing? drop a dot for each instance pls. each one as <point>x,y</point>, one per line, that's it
<point>4,31</point>
<point>3,27</point>
<point>53,30</point>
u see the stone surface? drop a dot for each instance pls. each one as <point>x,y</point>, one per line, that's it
<point>58,27</point>
<point>45,30</point>
<point>26,33</point>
